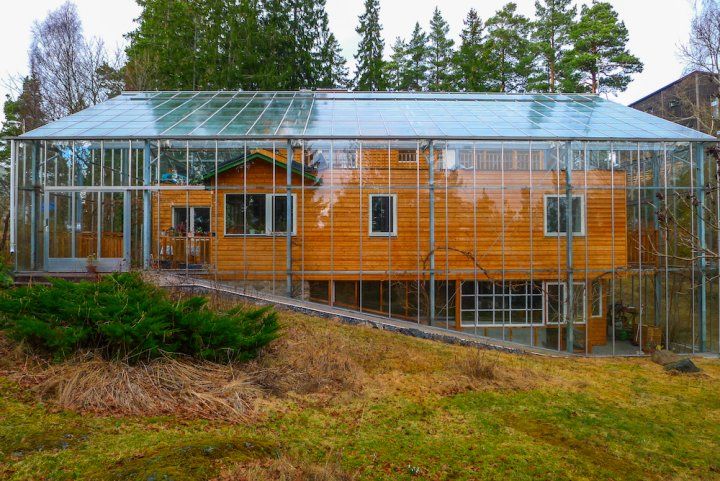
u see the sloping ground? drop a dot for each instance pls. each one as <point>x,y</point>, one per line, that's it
<point>338,402</point>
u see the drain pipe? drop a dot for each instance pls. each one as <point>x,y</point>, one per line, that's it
<point>289,218</point>
<point>431,206</point>
<point>147,207</point>
<point>570,340</point>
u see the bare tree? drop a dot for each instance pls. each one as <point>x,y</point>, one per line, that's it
<point>71,71</point>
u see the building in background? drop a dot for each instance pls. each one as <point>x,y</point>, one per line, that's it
<point>691,100</point>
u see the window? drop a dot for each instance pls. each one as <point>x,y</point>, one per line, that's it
<point>555,215</point>
<point>715,108</point>
<point>556,303</point>
<point>383,212</point>
<point>491,303</point>
<point>345,159</point>
<point>597,298</point>
<point>199,216</point>
<point>407,156</point>
<point>258,214</point>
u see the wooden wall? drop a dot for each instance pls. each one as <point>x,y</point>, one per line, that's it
<point>478,227</point>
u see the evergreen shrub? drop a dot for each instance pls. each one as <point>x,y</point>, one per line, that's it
<point>124,317</point>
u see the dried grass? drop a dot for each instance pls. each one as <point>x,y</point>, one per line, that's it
<point>304,361</point>
<point>164,386</point>
<point>285,469</point>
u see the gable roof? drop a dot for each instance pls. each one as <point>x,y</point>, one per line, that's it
<point>265,156</point>
<point>361,115</point>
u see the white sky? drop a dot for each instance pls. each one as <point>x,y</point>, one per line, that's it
<point>656,28</point>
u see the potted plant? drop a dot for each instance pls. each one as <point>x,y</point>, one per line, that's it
<point>92,264</point>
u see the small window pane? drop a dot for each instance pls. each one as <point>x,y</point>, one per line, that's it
<point>180,219</point>
<point>381,214</point>
<point>597,298</point>
<point>245,214</point>
<point>556,212</point>
<point>201,221</point>
<point>280,214</point>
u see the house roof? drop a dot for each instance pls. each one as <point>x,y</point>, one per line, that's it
<point>361,115</point>
<point>265,156</point>
<point>670,85</point>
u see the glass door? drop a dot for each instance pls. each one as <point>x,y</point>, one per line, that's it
<point>86,231</point>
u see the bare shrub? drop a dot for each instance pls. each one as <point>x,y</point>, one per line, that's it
<point>181,386</point>
<point>479,366</point>
<point>285,469</point>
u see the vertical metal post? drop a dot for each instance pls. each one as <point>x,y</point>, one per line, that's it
<point>702,245</point>
<point>127,227</point>
<point>656,225</point>
<point>13,196</point>
<point>570,304</point>
<point>431,228</point>
<point>147,206</point>
<point>289,218</point>
<point>34,210</point>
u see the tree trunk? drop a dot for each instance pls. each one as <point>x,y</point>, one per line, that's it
<point>3,242</point>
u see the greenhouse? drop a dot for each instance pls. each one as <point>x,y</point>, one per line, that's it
<point>563,222</point>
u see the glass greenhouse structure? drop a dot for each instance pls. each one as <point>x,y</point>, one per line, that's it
<point>566,222</point>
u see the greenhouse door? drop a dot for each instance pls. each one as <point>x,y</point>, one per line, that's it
<point>86,228</point>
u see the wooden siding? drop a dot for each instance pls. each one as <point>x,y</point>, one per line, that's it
<point>480,229</point>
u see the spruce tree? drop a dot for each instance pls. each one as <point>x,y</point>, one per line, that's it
<point>551,37</point>
<point>469,61</point>
<point>600,55</point>
<point>332,68</point>
<point>508,50</point>
<point>369,57</point>
<point>417,52</point>
<point>440,54</point>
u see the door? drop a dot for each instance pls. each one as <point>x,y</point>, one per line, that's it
<point>84,228</point>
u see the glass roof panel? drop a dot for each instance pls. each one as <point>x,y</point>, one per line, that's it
<point>416,115</point>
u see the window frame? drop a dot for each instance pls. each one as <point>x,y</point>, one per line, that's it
<point>583,216</point>
<point>269,214</point>
<point>498,323</point>
<point>394,228</point>
<point>191,225</point>
<point>546,316</point>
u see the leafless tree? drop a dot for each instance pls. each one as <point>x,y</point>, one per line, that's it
<point>71,71</point>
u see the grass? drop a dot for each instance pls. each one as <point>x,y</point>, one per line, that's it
<point>341,403</point>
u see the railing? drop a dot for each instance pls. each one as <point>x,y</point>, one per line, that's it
<point>86,245</point>
<point>642,246</point>
<point>181,252</point>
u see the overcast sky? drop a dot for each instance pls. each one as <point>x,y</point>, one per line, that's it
<point>656,28</point>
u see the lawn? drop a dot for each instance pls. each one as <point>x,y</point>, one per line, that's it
<point>358,403</point>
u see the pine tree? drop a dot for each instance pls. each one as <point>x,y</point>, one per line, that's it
<point>551,37</point>
<point>369,57</point>
<point>417,53</point>
<point>508,50</point>
<point>600,55</point>
<point>397,67</point>
<point>440,54</point>
<point>469,61</point>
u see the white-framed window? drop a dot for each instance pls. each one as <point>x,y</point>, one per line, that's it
<point>514,303</point>
<point>198,223</point>
<point>557,307</point>
<point>597,298</point>
<point>555,219</point>
<point>382,215</point>
<point>258,214</point>
<point>345,159</point>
